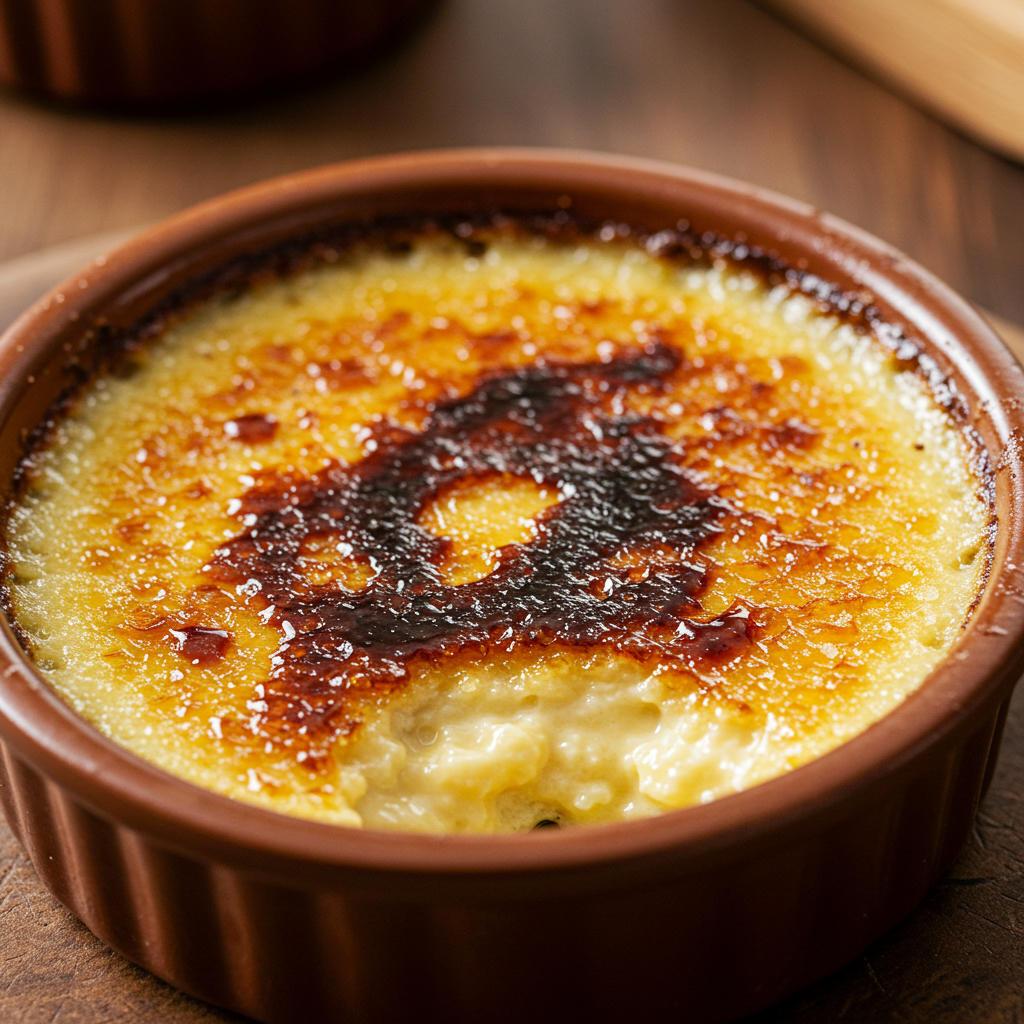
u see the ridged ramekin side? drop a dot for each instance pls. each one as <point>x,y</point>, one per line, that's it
<point>773,914</point>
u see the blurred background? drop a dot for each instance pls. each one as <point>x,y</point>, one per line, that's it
<point>905,117</point>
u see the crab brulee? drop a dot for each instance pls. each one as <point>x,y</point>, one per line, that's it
<point>479,525</point>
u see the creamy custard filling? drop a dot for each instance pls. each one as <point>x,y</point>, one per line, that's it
<point>480,529</point>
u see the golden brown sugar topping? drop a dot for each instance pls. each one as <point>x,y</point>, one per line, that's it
<point>609,565</point>
<point>489,528</point>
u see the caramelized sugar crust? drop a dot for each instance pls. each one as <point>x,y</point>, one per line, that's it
<point>370,540</point>
<point>609,566</point>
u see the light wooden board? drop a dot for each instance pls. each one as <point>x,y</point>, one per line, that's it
<point>964,59</point>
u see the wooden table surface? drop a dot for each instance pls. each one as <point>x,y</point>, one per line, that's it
<point>723,86</point>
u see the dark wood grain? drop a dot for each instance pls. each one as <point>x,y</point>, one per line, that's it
<point>719,85</point>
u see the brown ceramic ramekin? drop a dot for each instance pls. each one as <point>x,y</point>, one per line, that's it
<point>702,914</point>
<point>159,53</point>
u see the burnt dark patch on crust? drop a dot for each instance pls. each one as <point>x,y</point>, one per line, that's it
<point>198,645</point>
<point>256,428</point>
<point>613,566</point>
